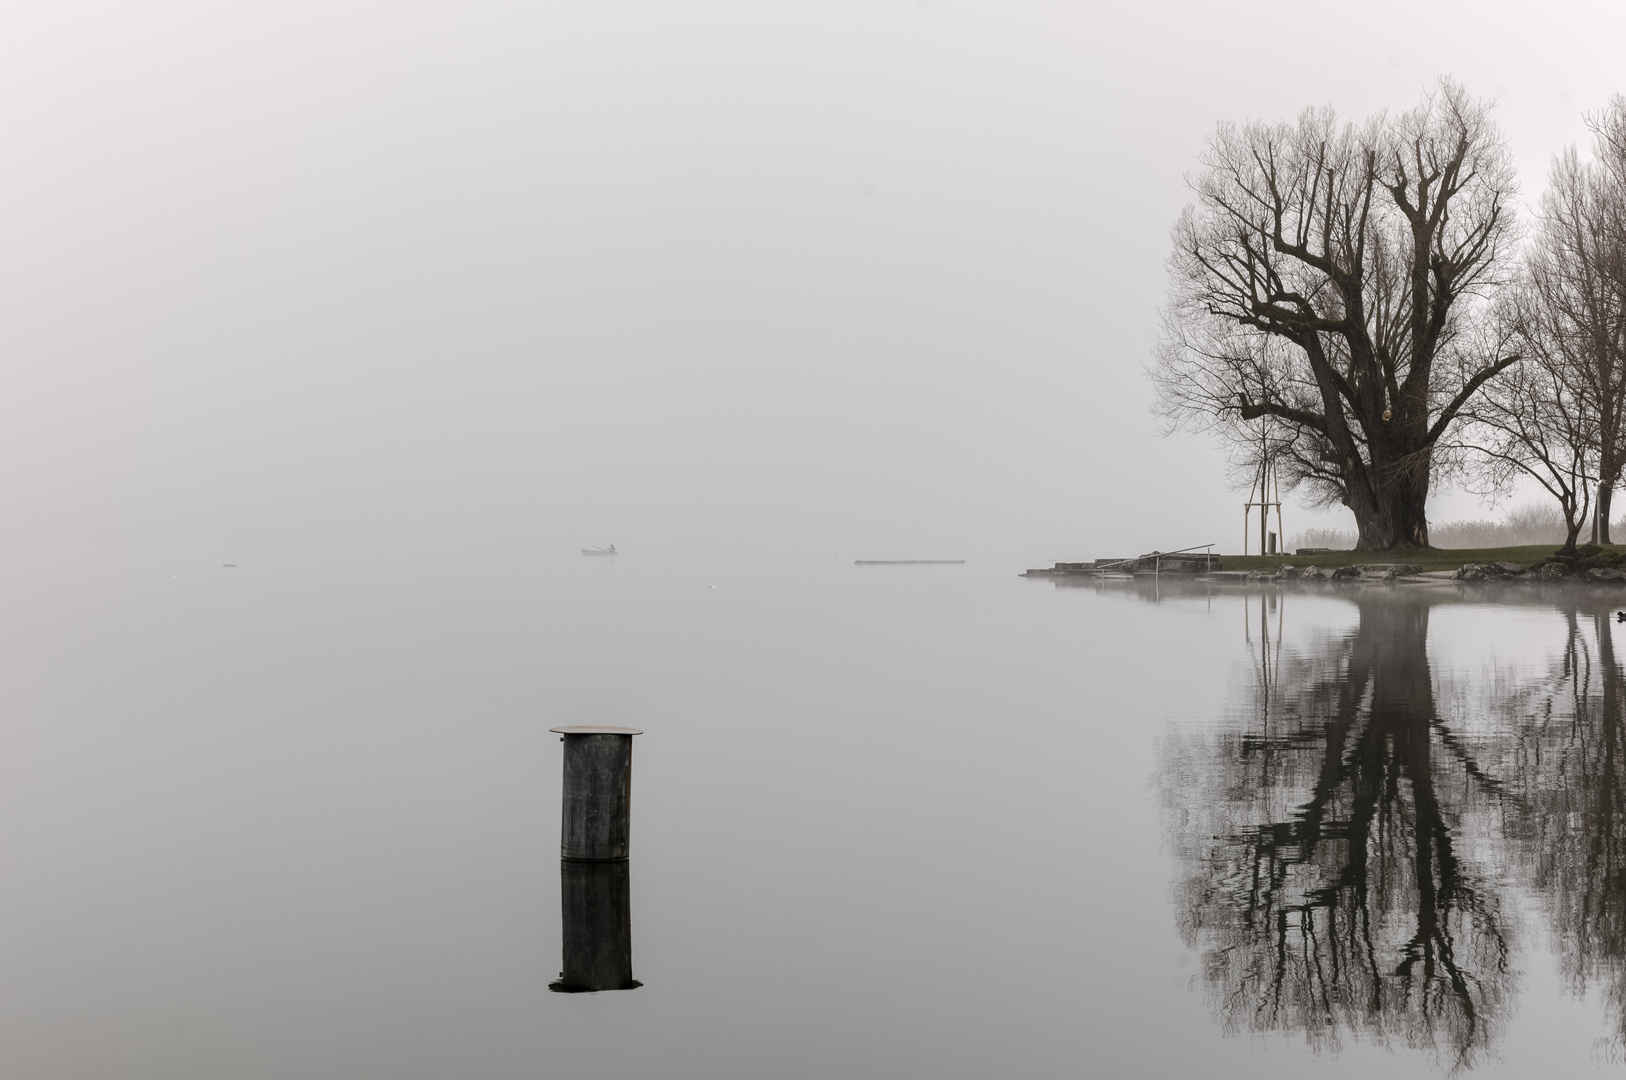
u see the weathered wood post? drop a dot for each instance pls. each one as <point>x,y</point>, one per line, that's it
<point>595,901</point>
<point>597,805</point>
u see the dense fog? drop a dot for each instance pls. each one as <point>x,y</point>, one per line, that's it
<point>877,279</point>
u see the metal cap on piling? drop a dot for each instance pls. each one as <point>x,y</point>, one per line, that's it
<point>597,807</point>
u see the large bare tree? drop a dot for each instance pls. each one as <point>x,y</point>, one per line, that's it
<point>1330,278</point>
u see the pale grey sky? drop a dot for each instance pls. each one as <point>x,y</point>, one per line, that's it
<point>873,278</point>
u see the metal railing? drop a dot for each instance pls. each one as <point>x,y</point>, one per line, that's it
<point>1157,567</point>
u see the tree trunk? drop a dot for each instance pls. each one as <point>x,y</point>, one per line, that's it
<point>1395,515</point>
<point>1572,524</point>
<point>1600,530</point>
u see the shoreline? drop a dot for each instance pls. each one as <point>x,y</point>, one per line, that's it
<point>1595,567</point>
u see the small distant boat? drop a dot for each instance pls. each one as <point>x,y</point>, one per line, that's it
<point>599,551</point>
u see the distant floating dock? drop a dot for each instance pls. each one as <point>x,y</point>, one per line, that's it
<point>908,562</point>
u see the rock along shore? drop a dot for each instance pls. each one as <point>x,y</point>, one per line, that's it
<point>1589,565</point>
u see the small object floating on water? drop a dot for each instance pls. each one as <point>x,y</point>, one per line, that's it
<point>599,551</point>
<point>908,562</point>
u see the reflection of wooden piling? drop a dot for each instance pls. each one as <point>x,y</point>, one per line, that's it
<point>595,902</point>
<point>597,805</point>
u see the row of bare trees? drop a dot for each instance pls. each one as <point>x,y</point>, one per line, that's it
<point>1560,416</point>
<point>1358,302</point>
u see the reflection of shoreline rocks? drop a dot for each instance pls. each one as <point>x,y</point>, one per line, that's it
<point>1579,592</point>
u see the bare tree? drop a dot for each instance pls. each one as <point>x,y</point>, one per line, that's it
<point>1538,420</point>
<point>1328,277</point>
<point>1575,316</point>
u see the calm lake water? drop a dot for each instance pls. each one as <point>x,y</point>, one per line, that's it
<point>300,818</point>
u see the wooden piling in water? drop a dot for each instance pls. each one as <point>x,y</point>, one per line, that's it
<point>595,817</point>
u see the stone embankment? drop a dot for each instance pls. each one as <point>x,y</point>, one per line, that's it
<point>1546,571</point>
<point>1589,564</point>
<point>1555,569</point>
<point>1363,572</point>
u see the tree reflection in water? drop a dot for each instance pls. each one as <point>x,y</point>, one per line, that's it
<point>1332,848</point>
<point>1571,844</point>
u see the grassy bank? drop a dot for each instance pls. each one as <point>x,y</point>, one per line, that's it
<point>1427,558</point>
